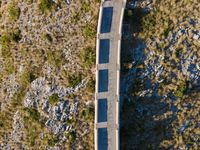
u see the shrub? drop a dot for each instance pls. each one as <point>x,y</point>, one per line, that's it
<point>148,23</point>
<point>166,32</point>
<point>33,113</point>
<point>48,37</point>
<point>17,98</point>
<point>45,5</point>
<point>53,141</point>
<point>88,113</point>
<point>9,65</point>
<point>129,13</point>
<point>85,6</point>
<point>72,137</point>
<point>89,31</point>
<point>16,36</point>
<point>26,78</point>
<point>181,90</point>
<point>87,56</point>
<point>53,99</point>
<point>56,58</point>
<point>6,38</point>
<point>76,16</point>
<point>74,79</point>
<point>91,85</point>
<point>13,11</point>
<point>29,1</point>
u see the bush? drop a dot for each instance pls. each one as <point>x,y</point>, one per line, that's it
<point>45,5</point>
<point>56,58</point>
<point>88,113</point>
<point>91,85</point>
<point>17,98</point>
<point>6,38</point>
<point>33,113</point>
<point>16,36</point>
<point>53,141</point>
<point>26,78</point>
<point>72,137</point>
<point>74,79</point>
<point>53,99</point>
<point>87,56</point>
<point>181,90</point>
<point>29,1</point>
<point>89,31</point>
<point>13,11</point>
<point>48,37</point>
<point>85,6</point>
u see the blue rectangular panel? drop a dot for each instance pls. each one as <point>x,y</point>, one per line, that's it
<point>102,110</point>
<point>104,51</point>
<point>106,20</point>
<point>102,139</point>
<point>103,81</point>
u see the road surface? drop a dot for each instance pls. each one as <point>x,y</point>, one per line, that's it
<point>108,74</point>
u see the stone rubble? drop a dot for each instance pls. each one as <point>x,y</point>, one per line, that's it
<point>58,114</point>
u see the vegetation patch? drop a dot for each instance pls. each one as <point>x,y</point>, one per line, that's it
<point>88,113</point>
<point>55,58</point>
<point>88,57</point>
<point>181,90</point>
<point>13,11</point>
<point>91,85</point>
<point>45,5</point>
<point>33,113</point>
<point>53,99</point>
<point>74,79</point>
<point>89,31</point>
<point>8,37</point>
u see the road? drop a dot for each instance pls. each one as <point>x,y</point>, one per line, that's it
<point>107,96</point>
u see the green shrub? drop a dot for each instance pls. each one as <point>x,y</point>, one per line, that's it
<point>85,6</point>
<point>26,78</point>
<point>72,137</point>
<point>6,38</point>
<point>17,98</point>
<point>76,16</point>
<point>53,99</point>
<point>130,13</point>
<point>89,31</point>
<point>88,113</point>
<point>52,141</point>
<point>33,113</point>
<point>9,65</point>
<point>48,37</point>
<point>55,58</point>
<point>166,32</point>
<point>13,11</point>
<point>16,36</point>
<point>45,5</point>
<point>181,90</point>
<point>148,22</point>
<point>29,1</point>
<point>91,85</point>
<point>87,56</point>
<point>74,79</point>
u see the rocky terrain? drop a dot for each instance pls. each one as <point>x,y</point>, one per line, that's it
<point>161,73</point>
<point>47,55</point>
